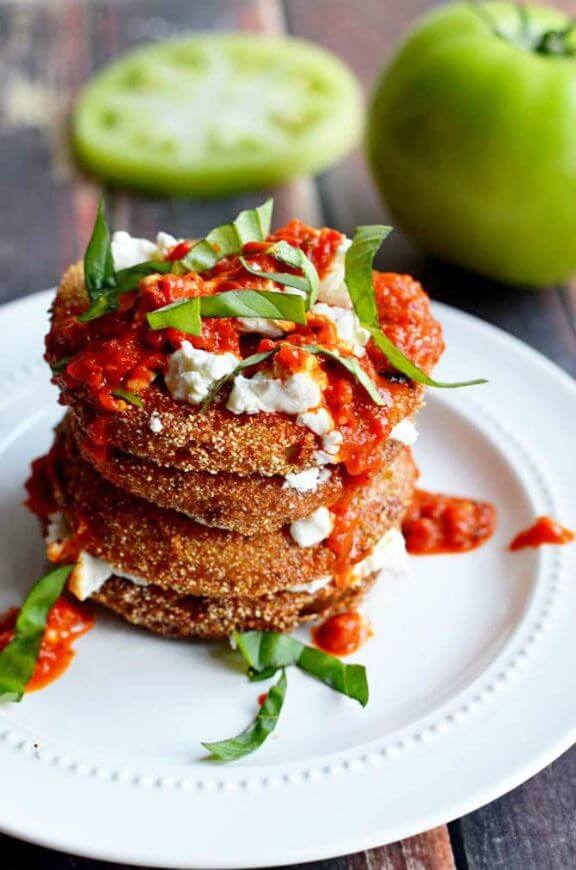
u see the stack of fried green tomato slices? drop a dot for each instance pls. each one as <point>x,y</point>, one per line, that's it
<point>217,113</point>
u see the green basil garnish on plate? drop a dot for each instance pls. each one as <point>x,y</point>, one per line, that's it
<point>258,731</point>
<point>360,283</point>
<point>267,651</point>
<point>18,659</point>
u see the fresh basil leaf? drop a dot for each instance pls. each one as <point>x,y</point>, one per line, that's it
<point>60,364</point>
<point>256,733</point>
<point>408,368</point>
<point>309,284</point>
<point>18,659</point>
<point>353,366</point>
<point>360,283</point>
<point>183,315</point>
<point>129,279</point>
<point>266,651</point>
<point>358,271</point>
<point>253,360</point>
<point>128,396</point>
<point>251,225</point>
<point>349,680</point>
<point>254,303</point>
<point>98,261</point>
<point>103,304</point>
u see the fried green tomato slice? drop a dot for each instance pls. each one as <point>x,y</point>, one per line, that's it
<point>217,113</point>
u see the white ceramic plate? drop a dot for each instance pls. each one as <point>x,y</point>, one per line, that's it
<point>471,669</point>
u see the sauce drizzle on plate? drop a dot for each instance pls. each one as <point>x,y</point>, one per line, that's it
<point>68,621</point>
<point>437,523</point>
<point>544,531</point>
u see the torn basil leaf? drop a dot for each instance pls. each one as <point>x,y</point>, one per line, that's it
<point>309,284</point>
<point>254,303</point>
<point>354,368</point>
<point>98,261</point>
<point>183,315</point>
<point>60,364</point>
<point>19,658</point>
<point>128,396</point>
<point>251,225</point>
<point>255,734</point>
<point>266,651</point>
<point>360,283</point>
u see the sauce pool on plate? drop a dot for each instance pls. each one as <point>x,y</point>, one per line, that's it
<point>437,523</point>
<point>544,531</point>
<point>68,620</point>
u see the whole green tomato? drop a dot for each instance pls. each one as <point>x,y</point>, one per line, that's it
<point>472,139</point>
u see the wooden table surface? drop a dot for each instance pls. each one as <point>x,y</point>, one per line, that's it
<point>47,50</point>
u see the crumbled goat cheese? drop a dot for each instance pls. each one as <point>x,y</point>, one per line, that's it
<point>128,250</point>
<point>260,325</point>
<point>90,574</point>
<point>296,394</point>
<point>333,288</point>
<point>389,557</point>
<point>319,421</point>
<point>405,432</point>
<point>306,481</point>
<point>311,587</point>
<point>347,325</point>
<point>155,423</point>
<point>313,529</point>
<point>331,443</point>
<point>192,372</point>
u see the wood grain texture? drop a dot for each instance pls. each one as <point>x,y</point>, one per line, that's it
<point>46,207</point>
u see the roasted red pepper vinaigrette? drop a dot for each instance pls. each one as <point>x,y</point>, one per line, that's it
<point>437,523</point>
<point>68,621</point>
<point>342,634</point>
<point>544,531</point>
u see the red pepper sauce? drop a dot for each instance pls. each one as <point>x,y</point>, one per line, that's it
<point>68,620</point>
<point>120,351</point>
<point>342,634</point>
<point>438,523</point>
<point>544,531</point>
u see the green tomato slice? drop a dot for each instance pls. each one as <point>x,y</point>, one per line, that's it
<point>215,114</point>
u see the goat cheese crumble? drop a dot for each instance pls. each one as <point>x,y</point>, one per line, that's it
<point>333,288</point>
<point>405,432</point>
<point>313,529</point>
<point>306,481</point>
<point>155,423</point>
<point>296,394</point>
<point>129,251</point>
<point>350,333</point>
<point>193,372</point>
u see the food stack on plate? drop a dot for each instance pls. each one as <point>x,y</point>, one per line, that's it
<point>236,450</point>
